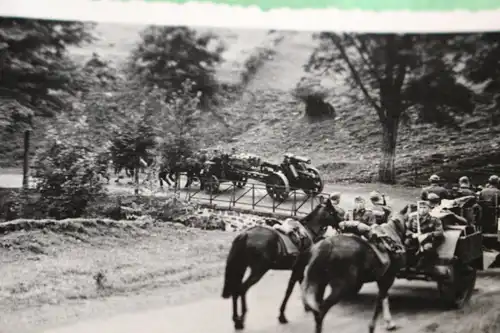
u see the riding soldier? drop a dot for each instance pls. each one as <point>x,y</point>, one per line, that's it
<point>464,187</point>
<point>434,187</point>
<point>492,192</point>
<point>379,207</point>
<point>424,232</point>
<point>360,213</point>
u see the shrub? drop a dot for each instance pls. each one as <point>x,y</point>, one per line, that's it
<point>311,91</point>
<point>258,57</point>
<point>67,170</point>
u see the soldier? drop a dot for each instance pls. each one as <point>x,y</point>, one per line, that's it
<point>491,193</point>
<point>335,199</point>
<point>360,213</point>
<point>464,187</point>
<point>424,233</point>
<point>434,187</point>
<point>380,208</point>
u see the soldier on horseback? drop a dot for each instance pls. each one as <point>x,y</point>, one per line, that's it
<point>434,187</point>
<point>464,187</point>
<point>492,191</point>
<point>379,207</point>
<point>360,213</point>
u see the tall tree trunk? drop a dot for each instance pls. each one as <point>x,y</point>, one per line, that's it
<point>26,159</point>
<point>387,171</point>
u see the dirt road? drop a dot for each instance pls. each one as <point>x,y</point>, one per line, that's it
<point>415,307</point>
<point>255,193</point>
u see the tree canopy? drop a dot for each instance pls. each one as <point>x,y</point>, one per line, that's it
<point>393,74</point>
<point>167,56</point>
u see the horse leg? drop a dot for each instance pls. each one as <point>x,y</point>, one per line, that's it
<point>390,325</point>
<point>337,288</point>
<point>289,289</point>
<point>296,276</point>
<point>384,285</point>
<point>255,275</point>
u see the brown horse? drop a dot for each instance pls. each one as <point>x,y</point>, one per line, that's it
<point>342,261</point>
<point>259,248</point>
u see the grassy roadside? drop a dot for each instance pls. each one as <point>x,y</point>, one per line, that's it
<point>49,270</point>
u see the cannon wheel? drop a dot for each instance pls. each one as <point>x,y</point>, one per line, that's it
<point>211,184</point>
<point>317,182</point>
<point>240,183</point>
<point>277,186</point>
<point>457,290</point>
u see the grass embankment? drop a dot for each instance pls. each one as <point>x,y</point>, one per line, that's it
<point>47,266</point>
<point>348,148</point>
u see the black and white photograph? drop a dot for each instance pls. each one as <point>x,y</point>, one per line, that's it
<point>178,179</point>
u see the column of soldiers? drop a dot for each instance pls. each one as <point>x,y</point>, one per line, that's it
<point>424,231</point>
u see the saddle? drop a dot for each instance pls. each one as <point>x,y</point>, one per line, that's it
<point>294,236</point>
<point>387,250</point>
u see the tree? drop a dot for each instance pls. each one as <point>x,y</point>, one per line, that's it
<point>167,56</point>
<point>35,68</point>
<point>181,116</point>
<point>394,74</point>
<point>482,67</point>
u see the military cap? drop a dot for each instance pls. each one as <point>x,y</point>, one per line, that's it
<point>433,197</point>
<point>375,196</point>
<point>464,180</point>
<point>493,179</point>
<point>434,178</point>
<point>335,196</point>
<point>359,199</point>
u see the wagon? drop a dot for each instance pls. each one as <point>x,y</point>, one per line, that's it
<point>238,169</point>
<point>454,270</point>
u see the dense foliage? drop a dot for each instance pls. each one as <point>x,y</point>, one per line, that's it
<point>398,74</point>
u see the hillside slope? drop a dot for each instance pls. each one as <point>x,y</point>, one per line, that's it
<point>348,148</point>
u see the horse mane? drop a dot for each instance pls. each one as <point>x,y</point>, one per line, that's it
<point>306,219</point>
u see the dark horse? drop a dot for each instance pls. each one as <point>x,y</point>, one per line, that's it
<point>259,248</point>
<point>169,172</point>
<point>342,261</point>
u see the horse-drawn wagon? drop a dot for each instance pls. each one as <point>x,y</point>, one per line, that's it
<point>293,173</point>
<point>458,258</point>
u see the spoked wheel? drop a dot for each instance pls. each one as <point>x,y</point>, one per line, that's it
<point>211,184</point>
<point>457,290</point>
<point>277,186</point>
<point>241,182</point>
<point>317,184</point>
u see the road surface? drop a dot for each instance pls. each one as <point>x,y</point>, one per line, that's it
<point>255,193</point>
<point>414,304</point>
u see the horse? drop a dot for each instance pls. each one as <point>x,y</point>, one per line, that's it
<point>260,249</point>
<point>342,261</point>
<point>191,166</point>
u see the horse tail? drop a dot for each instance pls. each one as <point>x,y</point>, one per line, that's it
<point>235,266</point>
<point>314,276</point>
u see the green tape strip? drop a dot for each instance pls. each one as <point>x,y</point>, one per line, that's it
<point>371,5</point>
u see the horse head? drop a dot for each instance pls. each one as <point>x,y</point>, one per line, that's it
<point>325,214</point>
<point>400,217</point>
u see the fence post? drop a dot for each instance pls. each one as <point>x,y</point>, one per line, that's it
<point>234,197</point>
<point>253,196</point>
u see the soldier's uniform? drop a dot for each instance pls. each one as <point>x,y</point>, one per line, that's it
<point>379,208</point>
<point>363,215</point>
<point>434,187</point>
<point>464,188</point>
<point>491,193</point>
<point>430,226</point>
